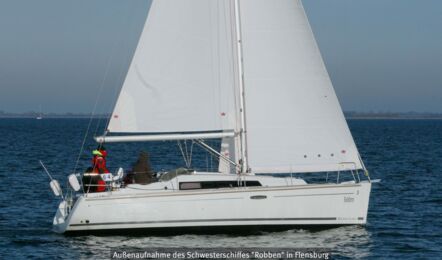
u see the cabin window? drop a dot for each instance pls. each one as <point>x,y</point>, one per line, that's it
<point>216,184</point>
<point>190,185</point>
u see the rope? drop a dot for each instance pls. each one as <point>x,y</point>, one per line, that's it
<point>120,80</point>
<point>92,114</point>
<point>97,100</point>
<point>102,86</point>
<point>187,154</point>
<point>182,152</point>
<point>187,157</point>
<point>191,153</point>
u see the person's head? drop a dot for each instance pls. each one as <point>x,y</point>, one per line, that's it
<point>97,153</point>
<point>102,150</point>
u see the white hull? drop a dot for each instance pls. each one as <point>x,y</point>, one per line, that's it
<point>296,126</point>
<point>294,205</point>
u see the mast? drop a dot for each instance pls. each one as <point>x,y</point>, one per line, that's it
<point>242,107</point>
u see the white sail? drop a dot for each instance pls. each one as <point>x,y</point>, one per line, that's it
<point>181,76</point>
<point>293,117</point>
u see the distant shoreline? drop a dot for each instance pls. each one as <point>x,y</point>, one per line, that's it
<point>348,115</point>
<point>393,118</point>
<point>53,117</point>
<point>73,116</point>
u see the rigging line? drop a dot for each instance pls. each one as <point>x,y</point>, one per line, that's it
<point>191,152</point>
<point>182,153</point>
<point>211,163</point>
<point>115,94</point>
<point>113,50</point>
<point>104,81</point>
<point>207,161</point>
<point>97,99</point>
<point>91,116</point>
<point>187,154</point>
<point>181,149</point>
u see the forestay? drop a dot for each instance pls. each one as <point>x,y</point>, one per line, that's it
<point>293,117</point>
<point>181,76</point>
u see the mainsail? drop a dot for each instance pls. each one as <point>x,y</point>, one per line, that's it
<point>181,76</point>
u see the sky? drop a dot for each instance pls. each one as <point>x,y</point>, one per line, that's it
<point>382,55</point>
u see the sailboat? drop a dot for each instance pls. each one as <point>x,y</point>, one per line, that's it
<point>40,115</point>
<point>248,73</point>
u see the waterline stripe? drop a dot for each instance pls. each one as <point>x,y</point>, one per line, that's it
<point>201,220</point>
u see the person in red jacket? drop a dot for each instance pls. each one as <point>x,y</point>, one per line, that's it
<point>99,166</point>
<point>103,152</point>
<point>99,162</point>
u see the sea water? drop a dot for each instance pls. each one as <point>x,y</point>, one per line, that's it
<point>404,219</point>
